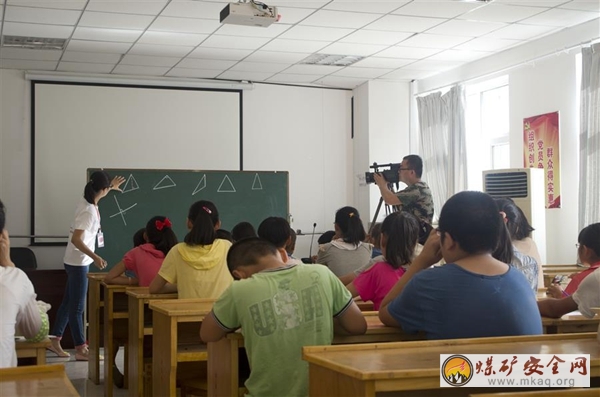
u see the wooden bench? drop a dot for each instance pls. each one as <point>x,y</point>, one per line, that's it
<point>413,368</point>
<point>35,350</point>
<point>570,323</point>
<point>36,380</point>
<point>116,317</point>
<point>592,392</point>
<point>95,306</point>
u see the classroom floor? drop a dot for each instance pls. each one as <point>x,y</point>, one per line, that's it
<point>77,371</point>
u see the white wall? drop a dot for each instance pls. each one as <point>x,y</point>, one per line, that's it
<point>305,131</point>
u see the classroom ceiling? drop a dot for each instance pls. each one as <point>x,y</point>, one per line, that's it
<point>399,40</point>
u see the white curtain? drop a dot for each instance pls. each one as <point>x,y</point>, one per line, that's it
<point>589,138</point>
<point>443,145</point>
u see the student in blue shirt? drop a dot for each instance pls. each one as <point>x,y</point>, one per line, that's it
<point>473,295</point>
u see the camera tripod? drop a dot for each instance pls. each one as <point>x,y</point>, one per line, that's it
<point>388,208</point>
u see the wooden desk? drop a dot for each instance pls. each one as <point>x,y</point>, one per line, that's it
<point>36,380</point>
<point>412,368</point>
<point>115,325</point>
<point>139,328</point>
<point>36,350</point>
<point>364,306</point>
<point>570,323</point>
<point>223,356</point>
<point>592,392</point>
<point>94,321</point>
<point>168,346</point>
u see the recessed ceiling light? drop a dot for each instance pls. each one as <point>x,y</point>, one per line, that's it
<point>33,43</point>
<point>331,60</point>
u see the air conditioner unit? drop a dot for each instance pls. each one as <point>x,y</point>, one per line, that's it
<point>526,187</point>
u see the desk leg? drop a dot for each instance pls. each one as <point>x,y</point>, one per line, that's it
<point>164,355</point>
<point>41,356</point>
<point>108,342</point>
<point>135,340</point>
<point>94,331</point>
<point>223,360</point>
<point>324,382</point>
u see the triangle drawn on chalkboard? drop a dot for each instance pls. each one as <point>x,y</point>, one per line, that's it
<point>201,185</point>
<point>164,183</point>
<point>131,184</point>
<point>226,186</point>
<point>257,184</point>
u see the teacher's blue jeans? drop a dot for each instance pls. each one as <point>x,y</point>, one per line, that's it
<point>73,303</point>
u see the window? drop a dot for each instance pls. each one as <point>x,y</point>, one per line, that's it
<point>487,129</point>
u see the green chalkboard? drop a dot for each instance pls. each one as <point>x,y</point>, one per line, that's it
<point>239,196</point>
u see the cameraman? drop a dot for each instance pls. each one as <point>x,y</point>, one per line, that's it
<point>416,198</point>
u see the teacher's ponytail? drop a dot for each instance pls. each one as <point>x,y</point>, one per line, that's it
<point>99,180</point>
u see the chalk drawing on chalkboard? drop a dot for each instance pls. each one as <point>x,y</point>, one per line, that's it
<point>121,212</point>
<point>131,184</point>
<point>226,186</point>
<point>257,184</point>
<point>201,185</point>
<point>164,183</point>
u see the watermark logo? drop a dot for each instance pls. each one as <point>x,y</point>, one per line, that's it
<point>457,370</point>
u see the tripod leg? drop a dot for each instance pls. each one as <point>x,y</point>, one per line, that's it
<point>376,214</point>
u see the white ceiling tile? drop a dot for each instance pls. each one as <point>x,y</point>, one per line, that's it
<point>143,7</point>
<point>184,25</point>
<point>434,65</point>
<point>341,82</point>
<point>245,66</point>
<point>366,73</point>
<point>293,15</point>
<point>65,5</point>
<point>561,17</point>
<point>373,7</point>
<point>193,9</point>
<point>277,56</point>
<point>294,45</point>
<point>501,13</point>
<point>352,49</point>
<point>426,40</point>
<point>408,74</point>
<point>300,32</point>
<point>294,78</point>
<point>91,57</point>
<point>170,38</point>
<point>387,63</point>
<point>466,28</point>
<point>252,31</point>
<point>143,60</point>
<point>250,76</point>
<point>301,4</point>
<point>36,55</point>
<point>458,55</point>
<point>399,23</point>
<point>98,46</point>
<point>99,34</point>
<point>196,73</point>
<point>140,70</point>
<point>218,53</point>
<point>376,37</point>
<point>582,5</point>
<point>27,64</point>
<point>41,15</point>
<point>407,52</point>
<point>160,50</point>
<point>339,19</point>
<point>207,64</point>
<point>488,44</point>
<point>441,9</point>
<point>85,67</point>
<point>313,69</point>
<point>36,30</point>
<point>518,31</point>
<point>535,3</point>
<point>235,42</point>
<point>116,21</point>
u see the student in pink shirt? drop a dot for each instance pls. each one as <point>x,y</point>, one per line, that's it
<point>399,235</point>
<point>145,260</point>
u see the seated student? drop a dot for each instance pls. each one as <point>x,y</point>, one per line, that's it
<point>139,238</point>
<point>145,260</point>
<point>17,303</point>
<point>588,252</point>
<point>374,238</point>
<point>399,235</point>
<point>348,252</point>
<point>290,247</point>
<point>224,234</point>
<point>583,299</point>
<point>275,305</point>
<point>277,231</point>
<point>242,230</point>
<point>473,295</point>
<point>196,268</point>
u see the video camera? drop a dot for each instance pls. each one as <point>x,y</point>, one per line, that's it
<point>391,174</point>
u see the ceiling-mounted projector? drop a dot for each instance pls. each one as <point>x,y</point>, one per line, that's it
<point>251,13</point>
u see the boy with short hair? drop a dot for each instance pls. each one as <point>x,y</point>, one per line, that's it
<point>280,308</point>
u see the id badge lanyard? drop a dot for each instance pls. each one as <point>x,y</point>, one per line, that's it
<point>100,234</point>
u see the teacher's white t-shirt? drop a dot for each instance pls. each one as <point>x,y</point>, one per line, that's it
<point>87,218</point>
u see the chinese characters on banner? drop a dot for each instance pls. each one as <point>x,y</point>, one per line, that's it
<point>540,135</point>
